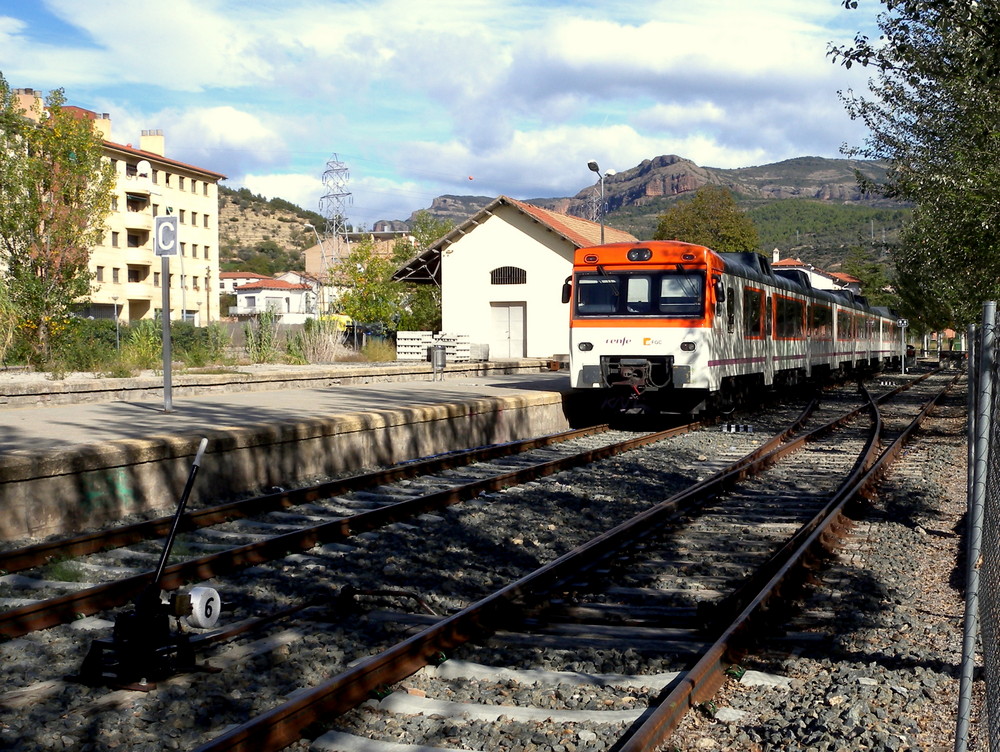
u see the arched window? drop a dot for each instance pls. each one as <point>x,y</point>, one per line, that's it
<point>508,275</point>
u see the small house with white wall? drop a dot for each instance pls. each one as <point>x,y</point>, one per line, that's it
<point>501,274</point>
<point>818,278</point>
<point>229,281</point>
<point>293,302</point>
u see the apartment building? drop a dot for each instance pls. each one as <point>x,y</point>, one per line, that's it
<point>128,276</point>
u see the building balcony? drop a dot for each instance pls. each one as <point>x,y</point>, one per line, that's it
<point>141,291</point>
<point>137,220</point>
<point>140,256</point>
<point>138,184</point>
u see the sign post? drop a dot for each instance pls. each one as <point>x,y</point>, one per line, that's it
<point>165,246</point>
<point>902,324</point>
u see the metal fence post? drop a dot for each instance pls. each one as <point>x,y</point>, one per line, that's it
<point>980,416</point>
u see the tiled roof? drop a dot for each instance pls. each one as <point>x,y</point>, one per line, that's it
<point>153,158</point>
<point>581,232</point>
<point>845,277</point>
<point>272,284</point>
<point>243,275</point>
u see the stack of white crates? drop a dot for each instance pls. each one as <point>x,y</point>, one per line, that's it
<point>413,345</point>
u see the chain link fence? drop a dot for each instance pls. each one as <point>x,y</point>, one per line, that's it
<point>982,607</point>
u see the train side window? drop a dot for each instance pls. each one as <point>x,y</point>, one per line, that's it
<point>730,311</point>
<point>822,322</point>
<point>844,320</point>
<point>789,315</point>
<point>753,313</point>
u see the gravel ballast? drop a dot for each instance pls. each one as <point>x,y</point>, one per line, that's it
<point>887,680</point>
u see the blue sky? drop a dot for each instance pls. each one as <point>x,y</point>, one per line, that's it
<point>481,97</point>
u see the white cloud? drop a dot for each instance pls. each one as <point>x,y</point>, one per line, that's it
<point>302,190</point>
<point>516,93</point>
<point>182,45</point>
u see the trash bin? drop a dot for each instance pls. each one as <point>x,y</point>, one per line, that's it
<point>439,357</point>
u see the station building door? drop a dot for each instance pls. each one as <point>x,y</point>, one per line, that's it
<point>507,330</point>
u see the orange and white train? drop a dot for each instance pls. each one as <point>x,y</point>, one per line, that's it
<point>671,327</point>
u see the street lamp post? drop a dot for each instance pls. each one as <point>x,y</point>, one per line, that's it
<point>592,164</point>
<point>322,269</point>
<point>118,344</point>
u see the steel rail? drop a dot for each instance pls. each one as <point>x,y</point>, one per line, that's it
<point>702,681</point>
<point>16,560</point>
<point>48,613</point>
<point>284,724</point>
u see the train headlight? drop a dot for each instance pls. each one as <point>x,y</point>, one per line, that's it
<point>687,346</point>
<point>586,346</point>
<point>639,254</point>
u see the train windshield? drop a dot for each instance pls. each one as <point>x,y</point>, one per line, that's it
<point>661,294</point>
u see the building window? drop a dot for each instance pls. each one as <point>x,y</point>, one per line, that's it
<point>195,283</point>
<point>156,176</point>
<point>100,274</point>
<point>114,239</point>
<point>166,179</point>
<point>194,250</point>
<point>114,164</point>
<point>133,240</point>
<point>180,183</point>
<point>251,301</point>
<point>130,170</point>
<point>508,275</point>
<point>184,282</point>
<point>205,220</point>
<point>194,185</point>
<point>156,279</point>
<point>133,275</point>
<point>194,218</point>
<point>206,251</point>
<point>181,214</point>
<point>183,249</point>
<point>114,203</point>
<point>156,210</point>
<point>114,275</point>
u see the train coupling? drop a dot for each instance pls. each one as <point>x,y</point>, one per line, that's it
<point>642,373</point>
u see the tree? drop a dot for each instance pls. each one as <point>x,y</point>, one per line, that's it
<point>711,218</point>
<point>876,284</point>
<point>421,304</point>
<point>933,114</point>
<point>368,293</point>
<point>55,193</point>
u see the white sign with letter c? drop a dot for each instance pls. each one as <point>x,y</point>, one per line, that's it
<point>165,236</point>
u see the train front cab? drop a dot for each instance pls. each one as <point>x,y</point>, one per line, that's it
<point>641,324</point>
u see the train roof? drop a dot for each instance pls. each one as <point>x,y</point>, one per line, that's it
<point>757,267</point>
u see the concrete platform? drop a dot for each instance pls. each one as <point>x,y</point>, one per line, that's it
<point>67,468</point>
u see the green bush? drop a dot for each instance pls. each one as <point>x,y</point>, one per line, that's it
<point>82,345</point>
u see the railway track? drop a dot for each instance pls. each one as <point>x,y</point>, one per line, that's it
<point>370,616</point>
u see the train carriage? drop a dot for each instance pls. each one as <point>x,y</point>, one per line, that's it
<point>675,327</point>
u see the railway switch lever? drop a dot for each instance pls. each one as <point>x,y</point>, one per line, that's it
<point>143,648</point>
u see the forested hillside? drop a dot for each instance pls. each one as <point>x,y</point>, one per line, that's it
<point>822,233</point>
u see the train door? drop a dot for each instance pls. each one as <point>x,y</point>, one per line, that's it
<point>507,329</point>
